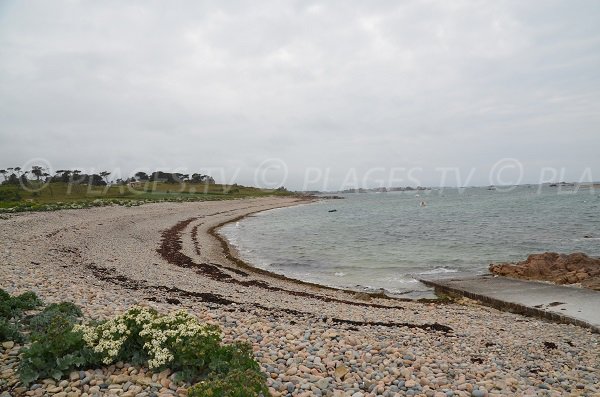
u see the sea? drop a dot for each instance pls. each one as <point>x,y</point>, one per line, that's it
<point>374,241</point>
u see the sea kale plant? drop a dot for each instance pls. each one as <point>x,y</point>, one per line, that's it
<point>143,336</point>
<point>58,344</point>
<point>55,351</point>
<point>180,342</point>
<point>234,373</point>
<point>13,306</point>
<point>40,322</point>
<point>12,309</point>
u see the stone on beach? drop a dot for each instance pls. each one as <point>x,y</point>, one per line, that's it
<point>576,268</point>
<point>308,340</point>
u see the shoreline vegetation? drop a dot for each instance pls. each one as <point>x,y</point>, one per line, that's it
<point>58,343</point>
<point>36,190</point>
<point>308,340</point>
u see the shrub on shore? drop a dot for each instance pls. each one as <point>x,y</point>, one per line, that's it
<point>13,207</point>
<point>64,310</point>
<point>235,373</point>
<point>180,342</point>
<point>58,344</point>
<point>54,352</point>
<point>11,311</point>
<point>13,306</point>
<point>143,336</point>
<point>9,331</point>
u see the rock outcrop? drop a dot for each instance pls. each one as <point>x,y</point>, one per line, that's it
<point>576,268</point>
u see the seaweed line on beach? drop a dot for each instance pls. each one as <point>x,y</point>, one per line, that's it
<point>172,295</point>
<point>213,231</point>
<point>194,235</point>
<point>170,250</point>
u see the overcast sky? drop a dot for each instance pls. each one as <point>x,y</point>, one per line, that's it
<point>406,89</point>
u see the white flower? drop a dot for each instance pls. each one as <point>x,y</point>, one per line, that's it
<point>158,333</point>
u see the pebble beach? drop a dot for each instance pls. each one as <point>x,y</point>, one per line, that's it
<point>309,340</point>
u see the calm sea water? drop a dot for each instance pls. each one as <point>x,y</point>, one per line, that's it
<point>386,240</point>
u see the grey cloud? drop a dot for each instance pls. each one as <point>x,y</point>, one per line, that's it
<point>318,84</point>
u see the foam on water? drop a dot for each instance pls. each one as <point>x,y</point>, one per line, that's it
<point>439,270</point>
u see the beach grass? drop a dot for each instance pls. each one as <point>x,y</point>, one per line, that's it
<point>34,194</point>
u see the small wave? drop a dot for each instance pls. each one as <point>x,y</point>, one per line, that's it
<point>295,265</point>
<point>406,281</point>
<point>439,270</point>
<point>340,274</point>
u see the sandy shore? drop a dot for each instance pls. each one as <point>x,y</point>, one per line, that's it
<point>310,340</point>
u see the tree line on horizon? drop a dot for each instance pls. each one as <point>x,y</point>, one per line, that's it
<point>18,176</point>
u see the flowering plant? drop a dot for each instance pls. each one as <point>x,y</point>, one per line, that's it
<point>142,335</point>
<point>145,337</point>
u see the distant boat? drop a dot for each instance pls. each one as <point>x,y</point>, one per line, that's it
<point>423,204</point>
<point>332,211</point>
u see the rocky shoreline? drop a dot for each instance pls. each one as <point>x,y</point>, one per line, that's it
<point>310,340</point>
<point>573,269</point>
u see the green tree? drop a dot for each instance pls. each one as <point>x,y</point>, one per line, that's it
<point>104,175</point>
<point>142,176</point>
<point>37,171</point>
<point>75,174</point>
